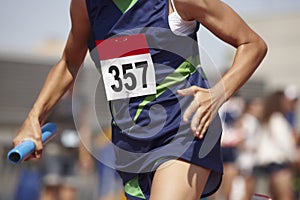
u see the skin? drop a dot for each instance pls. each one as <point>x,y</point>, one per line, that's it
<point>60,78</point>
<point>177,180</point>
<point>222,21</point>
<point>214,15</point>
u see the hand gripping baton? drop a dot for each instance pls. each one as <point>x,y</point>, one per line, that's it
<point>20,152</point>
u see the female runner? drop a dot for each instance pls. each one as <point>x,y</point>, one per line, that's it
<point>163,112</point>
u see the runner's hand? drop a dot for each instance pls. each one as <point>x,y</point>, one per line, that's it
<point>202,109</point>
<point>31,129</point>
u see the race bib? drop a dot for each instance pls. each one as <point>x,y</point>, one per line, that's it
<point>127,67</point>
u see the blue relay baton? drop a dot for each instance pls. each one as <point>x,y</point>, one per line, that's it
<point>20,152</point>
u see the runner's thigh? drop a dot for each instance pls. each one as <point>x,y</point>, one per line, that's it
<point>178,180</point>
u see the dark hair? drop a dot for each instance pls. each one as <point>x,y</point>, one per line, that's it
<point>272,104</point>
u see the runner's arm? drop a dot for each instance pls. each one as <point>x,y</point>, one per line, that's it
<point>227,25</point>
<point>60,78</point>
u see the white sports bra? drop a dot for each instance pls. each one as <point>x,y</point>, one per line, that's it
<point>178,25</point>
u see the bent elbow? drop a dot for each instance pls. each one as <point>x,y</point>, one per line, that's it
<point>262,47</point>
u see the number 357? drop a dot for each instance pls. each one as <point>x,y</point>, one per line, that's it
<point>128,78</point>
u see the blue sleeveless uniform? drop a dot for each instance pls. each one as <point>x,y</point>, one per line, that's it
<point>148,130</point>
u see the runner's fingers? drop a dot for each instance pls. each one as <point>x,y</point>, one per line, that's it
<point>16,142</point>
<point>34,156</point>
<point>187,91</point>
<point>196,120</point>
<point>38,149</point>
<point>204,129</point>
<point>204,124</point>
<point>190,110</point>
<point>38,154</point>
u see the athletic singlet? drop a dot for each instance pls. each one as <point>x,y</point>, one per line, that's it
<point>143,64</point>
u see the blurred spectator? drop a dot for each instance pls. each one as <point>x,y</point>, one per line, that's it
<point>291,103</point>
<point>230,114</point>
<point>276,148</point>
<point>29,183</point>
<point>290,106</point>
<point>109,182</point>
<point>292,100</point>
<point>60,159</point>
<point>251,125</point>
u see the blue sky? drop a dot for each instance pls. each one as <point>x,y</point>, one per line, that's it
<point>265,7</point>
<point>25,24</point>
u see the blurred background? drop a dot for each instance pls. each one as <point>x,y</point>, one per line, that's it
<point>32,37</point>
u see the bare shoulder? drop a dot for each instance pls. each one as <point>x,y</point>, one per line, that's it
<point>78,3</point>
<point>79,35</point>
<point>201,3</point>
<point>78,8</point>
<point>192,9</point>
<point>79,15</point>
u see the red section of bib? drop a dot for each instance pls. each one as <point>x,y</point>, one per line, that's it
<point>122,46</point>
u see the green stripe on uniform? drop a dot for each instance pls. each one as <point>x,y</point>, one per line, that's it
<point>124,5</point>
<point>179,75</point>
<point>132,188</point>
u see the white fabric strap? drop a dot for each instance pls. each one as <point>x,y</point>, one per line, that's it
<point>173,6</point>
